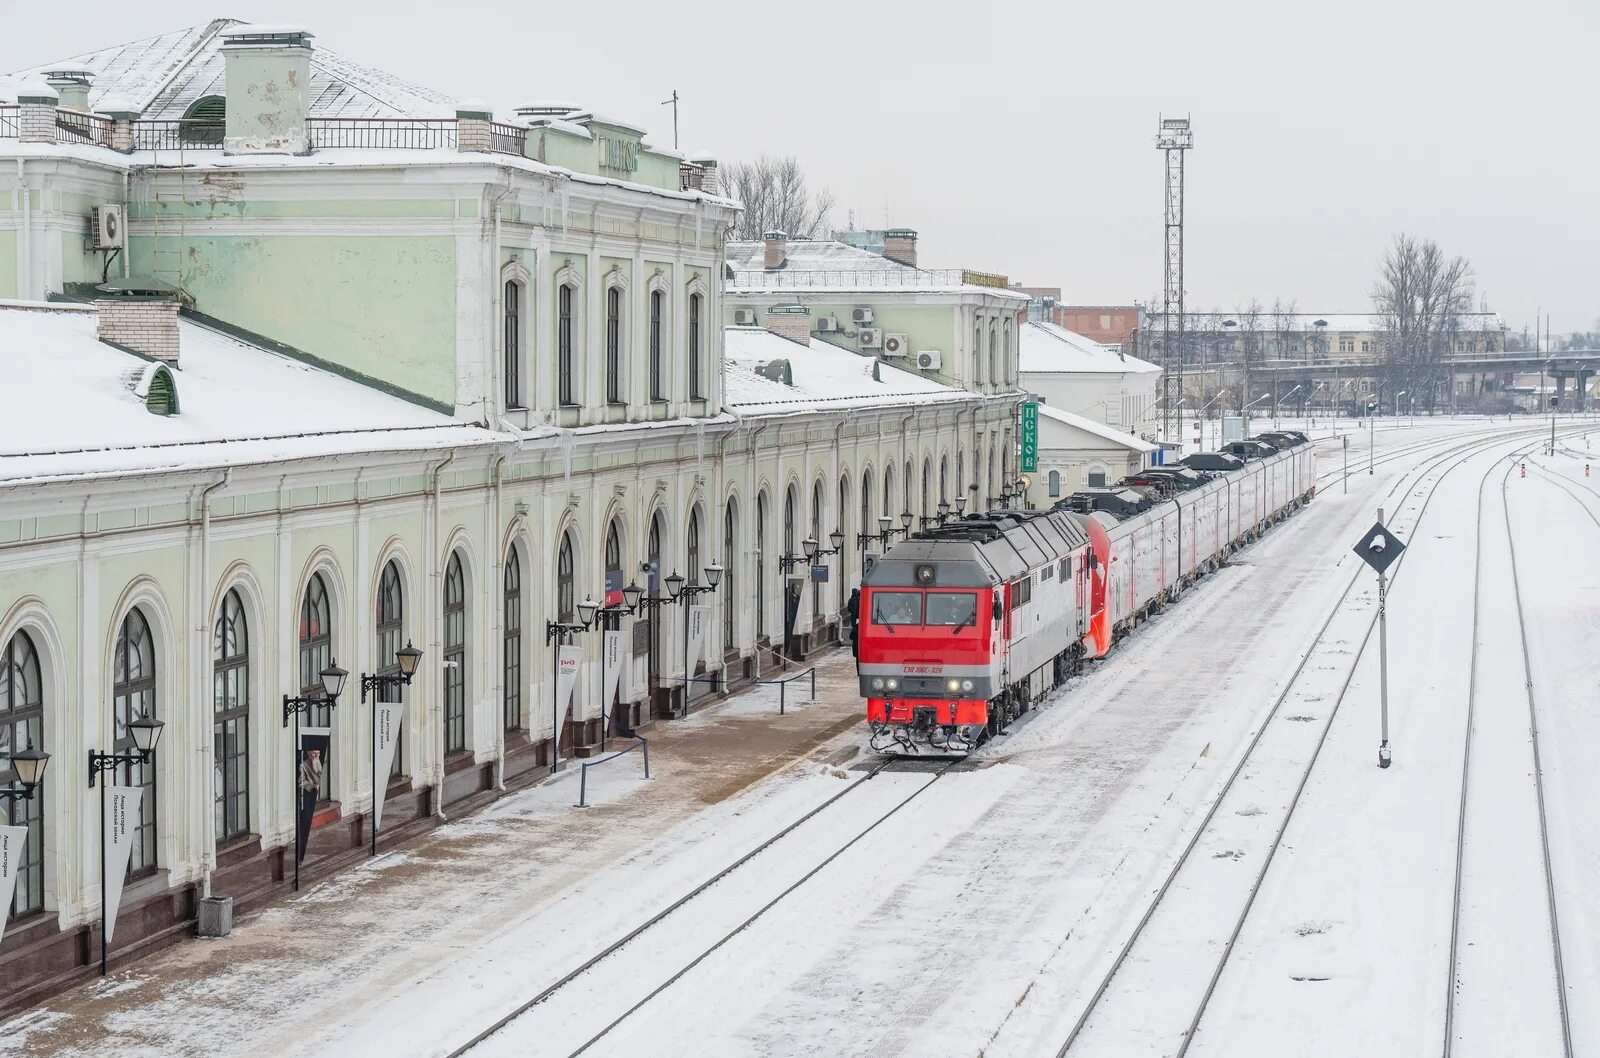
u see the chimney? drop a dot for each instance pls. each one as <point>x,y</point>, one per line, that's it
<point>268,77</point>
<point>900,244</point>
<point>775,256</point>
<point>140,315</point>
<point>36,112</point>
<point>122,114</point>
<point>790,321</point>
<point>72,86</point>
<point>473,119</point>
<point>710,179</point>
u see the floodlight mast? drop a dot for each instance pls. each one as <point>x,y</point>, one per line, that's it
<point>1174,139</point>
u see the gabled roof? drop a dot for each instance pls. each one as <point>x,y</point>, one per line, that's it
<point>1097,429</point>
<point>76,412</point>
<point>1044,348</point>
<point>823,375</point>
<point>164,75</point>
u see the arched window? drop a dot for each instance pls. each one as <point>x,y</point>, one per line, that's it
<point>133,693</point>
<point>613,595</point>
<point>655,582</point>
<point>391,637</point>
<point>692,570</point>
<point>888,491</point>
<point>1005,362</point>
<point>944,479</point>
<point>816,534</point>
<point>205,120</point>
<point>316,654</point>
<point>230,733</point>
<point>761,564</point>
<point>927,485</point>
<point>614,345</point>
<point>566,604</point>
<point>844,527</point>
<point>511,691</point>
<point>511,323</point>
<point>977,351</point>
<point>869,524</point>
<point>455,650</point>
<point>730,596</point>
<point>658,301</point>
<point>21,726</point>
<point>961,472</point>
<point>696,354</point>
<point>1055,483</point>
<point>566,385</point>
<point>994,355</point>
<point>907,486</point>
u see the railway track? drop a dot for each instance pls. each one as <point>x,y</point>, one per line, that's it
<point>700,922</point>
<point>1192,888</point>
<point>1459,971</point>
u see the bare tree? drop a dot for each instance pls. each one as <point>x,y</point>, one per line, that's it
<point>1420,299</point>
<point>776,198</point>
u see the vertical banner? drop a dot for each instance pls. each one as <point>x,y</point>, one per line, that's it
<point>1030,437</point>
<point>13,840</point>
<point>699,624</point>
<point>122,810</point>
<point>386,730</point>
<point>569,661</point>
<point>311,765</point>
<point>616,659</point>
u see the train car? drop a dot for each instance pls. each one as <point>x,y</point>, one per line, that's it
<point>964,626</point>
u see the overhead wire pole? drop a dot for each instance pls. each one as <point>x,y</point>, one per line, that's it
<point>1173,139</point>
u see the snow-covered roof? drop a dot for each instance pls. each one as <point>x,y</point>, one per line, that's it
<point>1306,322</point>
<point>1045,348</point>
<point>826,264</point>
<point>75,413</point>
<point>823,376</point>
<point>1098,429</point>
<point>166,74</point>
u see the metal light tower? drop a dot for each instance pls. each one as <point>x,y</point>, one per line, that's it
<point>1173,139</point>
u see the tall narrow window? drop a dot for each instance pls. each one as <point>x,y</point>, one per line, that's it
<point>316,654</point>
<point>844,550</point>
<point>21,726</point>
<point>658,391</point>
<point>653,556</point>
<point>511,691</point>
<point>730,596</point>
<point>230,730</point>
<point>566,391</point>
<point>692,554</point>
<point>390,627</point>
<point>961,472</point>
<point>816,534</point>
<point>566,605</point>
<point>789,542</point>
<point>907,486</point>
<point>1006,359</point>
<point>455,656</point>
<point>1055,483</point>
<point>761,565</point>
<point>696,354</point>
<point>869,525</point>
<point>944,478</point>
<point>977,351</point>
<point>133,692</point>
<point>512,341</point>
<point>614,345</point>
<point>994,358</point>
<point>613,595</point>
<point>888,491</point>
<point>927,484</point>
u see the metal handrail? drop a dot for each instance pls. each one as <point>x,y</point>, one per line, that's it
<point>583,772</point>
<point>170,134</point>
<point>783,685</point>
<point>75,126</point>
<point>10,127</point>
<point>507,139</point>
<point>391,133</point>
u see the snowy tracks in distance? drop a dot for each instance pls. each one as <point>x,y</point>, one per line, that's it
<point>1507,991</point>
<point>578,1011</point>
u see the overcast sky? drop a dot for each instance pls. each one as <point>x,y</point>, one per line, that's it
<point>1019,138</point>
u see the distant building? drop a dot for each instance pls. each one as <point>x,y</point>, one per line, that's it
<point>1107,324</point>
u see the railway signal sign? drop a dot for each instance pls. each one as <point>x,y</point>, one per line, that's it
<point>1379,548</point>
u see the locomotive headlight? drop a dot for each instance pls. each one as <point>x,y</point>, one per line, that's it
<point>967,685</point>
<point>877,683</point>
<point>953,685</point>
<point>892,683</point>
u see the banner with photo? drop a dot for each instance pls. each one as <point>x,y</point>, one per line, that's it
<point>121,816</point>
<point>13,842</point>
<point>386,730</point>
<point>616,664</point>
<point>311,765</point>
<point>699,624</point>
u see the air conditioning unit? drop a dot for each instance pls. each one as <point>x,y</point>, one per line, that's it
<point>870,337</point>
<point>105,227</point>
<point>827,324</point>
<point>896,345</point>
<point>860,315</point>
<point>744,317</point>
<point>929,360</point>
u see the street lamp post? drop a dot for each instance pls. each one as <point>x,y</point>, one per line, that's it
<point>333,679</point>
<point>378,684</point>
<point>557,632</point>
<point>146,732</point>
<point>685,594</point>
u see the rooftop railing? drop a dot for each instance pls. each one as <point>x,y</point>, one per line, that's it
<point>383,133</point>
<point>507,139</point>
<point>73,126</point>
<point>8,121</point>
<point>177,133</point>
<point>888,278</point>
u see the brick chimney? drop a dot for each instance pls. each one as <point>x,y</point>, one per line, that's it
<point>141,315</point>
<point>710,173</point>
<point>776,246</point>
<point>36,112</point>
<point>900,244</point>
<point>72,86</point>
<point>268,76</point>
<point>790,321</point>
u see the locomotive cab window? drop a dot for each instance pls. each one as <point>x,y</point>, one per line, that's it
<point>953,609</point>
<point>1021,592</point>
<point>896,608</point>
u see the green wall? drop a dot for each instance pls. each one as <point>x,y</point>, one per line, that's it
<point>8,264</point>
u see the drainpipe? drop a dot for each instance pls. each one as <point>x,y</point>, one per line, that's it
<point>208,764</point>
<point>496,329</point>
<point>759,566</point>
<point>438,640</point>
<point>127,210</point>
<point>25,281</point>
<point>497,700</point>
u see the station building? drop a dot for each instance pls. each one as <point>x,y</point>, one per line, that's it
<point>309,363</point>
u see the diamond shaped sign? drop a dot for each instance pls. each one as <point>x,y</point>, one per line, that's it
<point>1378,547</point>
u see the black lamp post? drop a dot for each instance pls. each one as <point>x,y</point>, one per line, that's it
<point>407,658</point>
<point>883,535</point>
<point>333,679</point>
<point>686,594</point>
<point>557,632</point>
<point>146,732</point>
<point>29,765</point>
<point>651,604</point>
<point>610,620</point>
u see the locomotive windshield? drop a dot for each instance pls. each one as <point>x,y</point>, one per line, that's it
<point>951,608</point>
<point>943,609</point>
<point>897,607</point>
